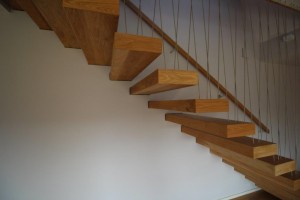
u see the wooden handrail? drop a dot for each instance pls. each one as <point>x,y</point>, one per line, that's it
<point>193,62</point>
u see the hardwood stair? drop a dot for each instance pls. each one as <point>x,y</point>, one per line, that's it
<point>132,54</point>
<point>163,80</point>
<point>53,12</point>
<point>269,166</point>
<point>246,146</point>
<point>94,24</point>
<point>280,186</point>
<point>34,13</point>
<point>192,105</point>
<point>220,127</point>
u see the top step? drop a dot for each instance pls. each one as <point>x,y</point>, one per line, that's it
<point>132,54</point>
<point>94,24</point>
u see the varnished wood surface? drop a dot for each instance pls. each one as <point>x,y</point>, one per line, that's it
<point>258,195</point>
<point>34,13</point>
<point>132,54</point>
<point>110,7</point>
<point>163,80</point>
<point>94,31</point>
<point>54,14</point>
<point>242,145</point>
<point>192,105</point>
<point>271,184</point>
<point>271,169</point>
<point>220,127</point>
<point>193,62</point>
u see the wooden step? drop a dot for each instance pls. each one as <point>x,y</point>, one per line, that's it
<point>132,54</point>
<point>220,127</point>
<point>258,195</point>
<point>284,189</point>
<point>54,14</point>
<point>163,80</point>
<point>246,146</point>
<point>34,13</point>
<point>270,168</point>
<point>94,24</point>
<point>192,105</point>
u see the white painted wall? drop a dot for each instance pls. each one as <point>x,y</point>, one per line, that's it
<point>68,133</point>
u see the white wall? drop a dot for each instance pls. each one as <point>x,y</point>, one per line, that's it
<point>68,133</point>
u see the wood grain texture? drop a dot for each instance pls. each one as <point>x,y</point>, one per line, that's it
<point>220,127</point>
<point>14,4</point>
<point>271,184</point>
<point>54,14</point>
<point>246,146</point>
<point>163,80</point>
<point>95,33</point>
<point>192,105</point>
<point>258,195</point>
<point>132,54</point>
<point>34,13</point>
<point>110,7</point>
<point>193,62</point>
<point>268,168</point>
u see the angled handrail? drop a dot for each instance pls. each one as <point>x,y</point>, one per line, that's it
<point>194,63</point>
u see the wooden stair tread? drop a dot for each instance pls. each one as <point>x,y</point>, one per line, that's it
<point>54,14</point>
<point>34,13</point>
<point>192,105</point>
<point>272,184</point>
<point>258,195</point>
<point>110,7</point>
<point>275,160</point>
<point>94,24</point>
<point>221,127</point>
<point>163,80</point>
<point>271,169</point>
<point>240,145</point>
<point>132,54</point>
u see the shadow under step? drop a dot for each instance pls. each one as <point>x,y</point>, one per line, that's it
<point>94,24</point>
<point>34,13</point>
<point>280,186</point>
<point>252,148</point>
<point>132,54</point>
<point>163,80</point>
<point>53,12</point>
<point>192,105</point>
<point>258,195</point>
<point>270,165</point>
<point>220,127</point>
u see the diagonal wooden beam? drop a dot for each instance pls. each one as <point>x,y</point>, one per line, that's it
<point>193,62</point>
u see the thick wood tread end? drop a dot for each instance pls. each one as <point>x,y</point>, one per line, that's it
<point>163,80</point>
<point>220,127</point>
<point>132,54</point>
<point>94,32</point>
<point>268,168</point>
<point>34,13</point>
<point>110,7</point>
<point>242,145</point>
<point>192,105</point>
<point>276,185</point>
<point>54,14</point>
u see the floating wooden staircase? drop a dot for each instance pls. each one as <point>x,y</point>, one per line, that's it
<point>92,25</point>
<point>164,80</point>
